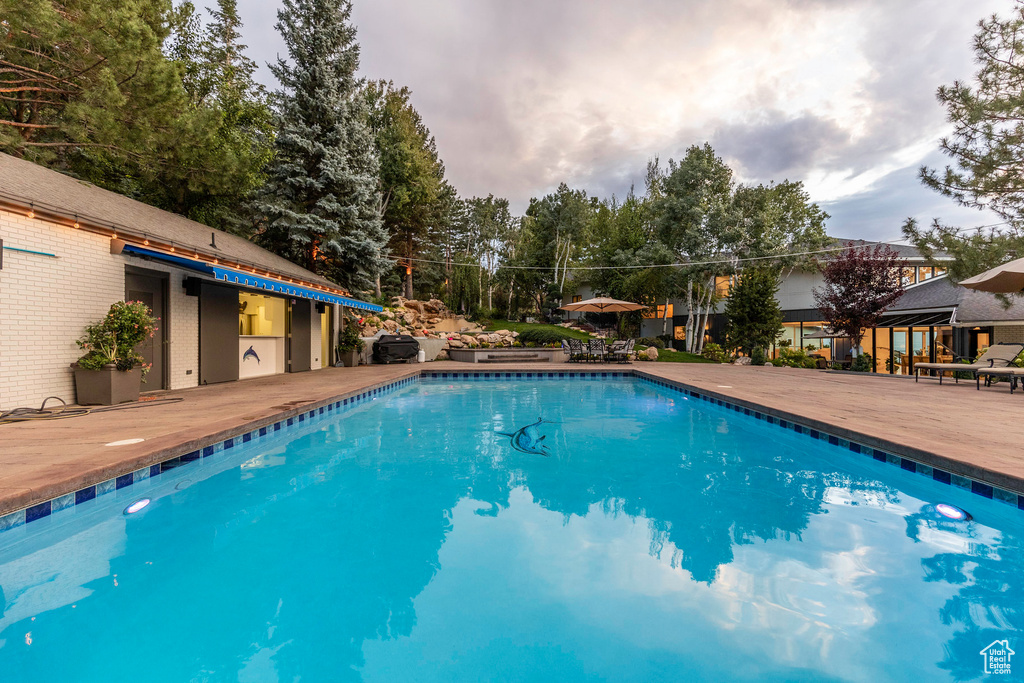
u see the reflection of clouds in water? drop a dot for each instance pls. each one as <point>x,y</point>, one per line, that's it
<point>777,608</point>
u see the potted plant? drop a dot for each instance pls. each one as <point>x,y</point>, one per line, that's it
<point>112,370</point>
<point>350,344</point>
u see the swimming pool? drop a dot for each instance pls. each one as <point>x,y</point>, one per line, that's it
<point>622,532</point>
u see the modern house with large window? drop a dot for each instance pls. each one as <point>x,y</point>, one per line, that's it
<point>931,322</point>
<point>228,309</point>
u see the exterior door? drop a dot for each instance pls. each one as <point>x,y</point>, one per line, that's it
<point>152,291</point>
<point>218,334</point>
<point>299,357</point>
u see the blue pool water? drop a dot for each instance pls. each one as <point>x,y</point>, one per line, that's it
<point>661,539</point>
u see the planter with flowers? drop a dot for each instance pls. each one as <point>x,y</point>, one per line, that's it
<point>112,370</point>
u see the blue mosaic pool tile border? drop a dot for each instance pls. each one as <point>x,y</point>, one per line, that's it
<point>942,476</point>
<point>484,375</point>
<point>45,509</point>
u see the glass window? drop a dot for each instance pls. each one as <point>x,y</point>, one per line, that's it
<point>909,276</point>
<point>724,285</point>
<point>900,356</point>
<point>576,298</point>
<point>921,343</point>
<point>260,316</point>
<point>866,346</point>
<point>658,312</point>
<point>943,344</point>
<point>818,347</point>
<point>883,352</point>
<point>925,273</point>
<point>938,271</point>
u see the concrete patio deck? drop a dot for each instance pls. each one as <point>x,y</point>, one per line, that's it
<point>978,434</point>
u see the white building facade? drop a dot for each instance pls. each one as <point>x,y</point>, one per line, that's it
<point>228,310</point>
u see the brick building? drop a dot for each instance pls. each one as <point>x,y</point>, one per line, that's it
<point>228,308</point>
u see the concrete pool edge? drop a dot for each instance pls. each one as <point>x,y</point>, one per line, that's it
<point>24,507</point>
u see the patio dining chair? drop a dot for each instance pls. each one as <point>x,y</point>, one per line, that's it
<point>577,353</point>
<point>622,351</point>
<point>596,350</point>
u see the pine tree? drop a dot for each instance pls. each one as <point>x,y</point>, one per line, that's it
<point>322,201</point>
<point>987,148</point>
<point>416,197</point>
<point>753,312</point>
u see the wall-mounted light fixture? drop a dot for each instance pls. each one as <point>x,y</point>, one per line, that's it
<point>31,210</point>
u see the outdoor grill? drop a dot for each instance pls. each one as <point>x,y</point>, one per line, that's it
<point>395,347</point>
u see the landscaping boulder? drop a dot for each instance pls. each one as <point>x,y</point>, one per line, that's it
<point>652,353</point>
<point>390,325</point>
<point>742,360</point>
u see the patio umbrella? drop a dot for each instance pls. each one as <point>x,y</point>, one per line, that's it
<point>823,333</point>
<point>1005,279</point>
<point>603,305</point>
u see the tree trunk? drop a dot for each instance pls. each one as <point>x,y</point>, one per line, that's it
<point>689,316</point>
<point>664,318</point>
<point>707,313</point>
<point>408,284</point>
<point>376,286</point>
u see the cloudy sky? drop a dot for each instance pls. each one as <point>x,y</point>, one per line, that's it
<point>522,95</point>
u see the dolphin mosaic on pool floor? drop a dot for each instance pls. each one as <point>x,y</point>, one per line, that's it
<point>46,508</point>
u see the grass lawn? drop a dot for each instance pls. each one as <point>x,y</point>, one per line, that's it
<point>680,357</point>
<point>495,325</point>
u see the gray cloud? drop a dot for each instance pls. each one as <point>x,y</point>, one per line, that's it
<point>524,95</point>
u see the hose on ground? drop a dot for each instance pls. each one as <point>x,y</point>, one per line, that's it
<point>64,411</point>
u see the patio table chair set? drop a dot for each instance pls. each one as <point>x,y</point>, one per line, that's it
<point>596,350</point>
<point>996,362</point>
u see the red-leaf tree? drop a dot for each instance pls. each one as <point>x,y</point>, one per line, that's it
<point>860,283</point>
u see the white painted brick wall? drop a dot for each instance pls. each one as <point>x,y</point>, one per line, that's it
<point>46,302</point>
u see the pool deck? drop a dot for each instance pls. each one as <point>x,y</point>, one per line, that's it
<point>978,434</point>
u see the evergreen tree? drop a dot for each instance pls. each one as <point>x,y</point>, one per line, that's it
<point>416,197</point>
<point>987,147</point>
<point>223,140</point>
<point>322,200</point>
<point>85,85</point>
<point>754,314</point>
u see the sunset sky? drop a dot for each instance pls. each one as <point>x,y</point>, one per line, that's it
<point>524,95</point>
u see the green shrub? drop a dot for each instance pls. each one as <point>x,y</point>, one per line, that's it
<point>794,358</point>
<point>542,336</point>
<point>656,342</point>
<point>757,356</point>
<point>713,351</point>
<point>113,339</point>
<point>863,363</point>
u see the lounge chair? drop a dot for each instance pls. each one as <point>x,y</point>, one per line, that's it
<point>1012,373</point>
<point>596,350</point>
<point>996,356</point>
<point>622,352</point>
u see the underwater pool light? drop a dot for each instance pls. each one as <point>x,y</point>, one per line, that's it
<point>136,506</point>
<point>952,512</point>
